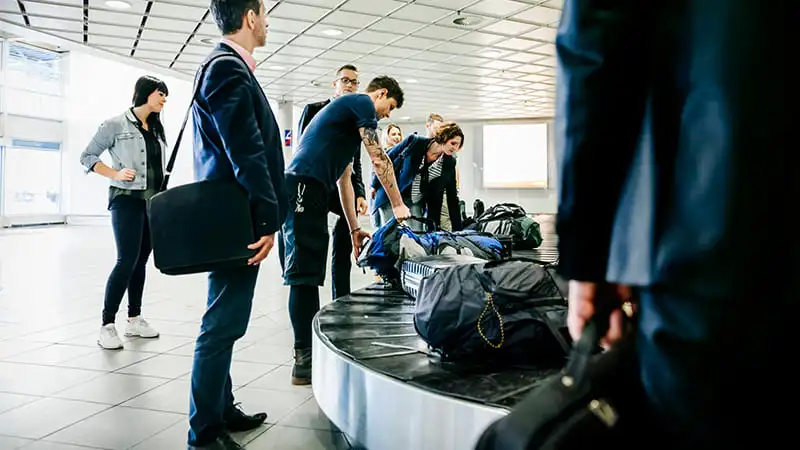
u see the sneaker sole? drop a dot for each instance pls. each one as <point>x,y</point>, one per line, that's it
<point>301,381</point>
<point>140,336</point>
<point>110,348</point>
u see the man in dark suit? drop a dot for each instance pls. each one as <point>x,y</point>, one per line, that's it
<point>675,123</point>
<point>342,246</point>
<point>235,137</point>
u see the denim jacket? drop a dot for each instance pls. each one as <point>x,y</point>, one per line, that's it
<point>125,143</point>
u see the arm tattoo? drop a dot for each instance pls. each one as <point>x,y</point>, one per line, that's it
<point>380,160</point>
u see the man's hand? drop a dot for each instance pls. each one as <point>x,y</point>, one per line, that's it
<point>361,206</point>
<point>358,236</point>
<point>584,300</point>
<point>263,246</point>
<point>401,212</point>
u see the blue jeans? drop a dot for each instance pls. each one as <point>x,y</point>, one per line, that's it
<point>230,300</point>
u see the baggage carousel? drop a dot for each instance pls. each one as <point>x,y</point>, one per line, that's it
<point>377,382</point>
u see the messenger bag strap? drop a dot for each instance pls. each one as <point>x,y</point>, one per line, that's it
<point>198,79</point>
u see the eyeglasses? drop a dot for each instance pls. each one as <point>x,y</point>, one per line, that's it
<point>346,80</point>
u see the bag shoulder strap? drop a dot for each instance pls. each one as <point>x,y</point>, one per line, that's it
<point>198,79</point>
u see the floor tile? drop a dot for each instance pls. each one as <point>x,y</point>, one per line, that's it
<point>40,380</point>
<point>13,443</point>
<point>44,445</point>
<point>40,418</point>
<point>243,372</point>
<point>158,345</point>
<point>53,354</point>
<point>112,388</point>
<point>279,379</point>
<point>13,347</point>
<point>118,428</point>
<point>164,366</point>
<point>11,401</point>
<point>269,354</point>
<point>170,397</point>
<point>107,360</point>
<point>308,415</point>
<point>288,438</point>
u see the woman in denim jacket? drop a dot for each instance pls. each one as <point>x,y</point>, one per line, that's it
<point>136,143</point>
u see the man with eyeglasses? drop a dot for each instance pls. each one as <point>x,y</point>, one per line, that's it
<point>346,82</point>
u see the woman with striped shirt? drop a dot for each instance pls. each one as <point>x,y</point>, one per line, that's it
<point>426,170</point>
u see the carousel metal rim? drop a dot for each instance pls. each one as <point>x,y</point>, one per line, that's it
<point>368,411</point>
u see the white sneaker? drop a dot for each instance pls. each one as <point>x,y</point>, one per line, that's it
<point>109,339</point>
<point>139,327</point>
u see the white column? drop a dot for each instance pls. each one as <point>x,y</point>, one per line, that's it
<point>285,122</point>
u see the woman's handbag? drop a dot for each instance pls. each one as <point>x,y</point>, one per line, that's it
<point>201,226</point>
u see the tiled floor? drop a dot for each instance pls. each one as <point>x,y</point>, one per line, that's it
<point>60,391</point>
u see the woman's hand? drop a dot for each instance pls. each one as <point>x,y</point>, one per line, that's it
<point>125,175</point>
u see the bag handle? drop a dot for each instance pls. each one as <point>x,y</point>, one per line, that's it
<point>198,79</point>
<point>424,220</point>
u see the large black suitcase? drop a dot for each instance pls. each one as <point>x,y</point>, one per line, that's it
<point>413,271</point>
<point>202,226</point>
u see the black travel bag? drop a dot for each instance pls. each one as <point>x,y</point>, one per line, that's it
<point>201,226</point>
<point>597,401</point>
<point>508,311</point>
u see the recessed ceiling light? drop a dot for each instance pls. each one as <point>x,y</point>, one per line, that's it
<point>118,4</point>
<point>405,118</point>
<point>411,80</point>
<point>332,32</point>
<point>277,68</point>
<point>454,106</point>
<point>207,41</point>
<point>466,21</point>
<point>492,54</point>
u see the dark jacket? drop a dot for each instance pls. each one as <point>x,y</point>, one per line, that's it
<point>672,167</point>
<point>406,158</point>
<point>236,137</point>
<point>311,110</point>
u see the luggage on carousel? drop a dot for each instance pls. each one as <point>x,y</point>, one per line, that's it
<point>413,271</point>
<point>510,219</point>
<point>510,311</point>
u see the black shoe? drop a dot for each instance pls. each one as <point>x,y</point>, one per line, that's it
<point>301,372</point>
<point>225,442</point>
<point>236,420</point>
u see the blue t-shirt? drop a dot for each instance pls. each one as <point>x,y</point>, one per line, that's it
<point>332,140</point>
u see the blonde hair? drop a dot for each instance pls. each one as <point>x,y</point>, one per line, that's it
<point>433,117</point>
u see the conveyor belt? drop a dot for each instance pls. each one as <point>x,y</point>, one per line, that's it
<point>374,379</point>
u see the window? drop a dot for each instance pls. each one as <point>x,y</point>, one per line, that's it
<point>32,82</point>
<point>515,156</point>
<point>32,179</point>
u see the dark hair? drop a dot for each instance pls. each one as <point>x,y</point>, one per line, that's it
<point>447,131</point>
<point>346,67</point>
<point>392,88</point>
<point>228,14</point>
<point>145,86</point>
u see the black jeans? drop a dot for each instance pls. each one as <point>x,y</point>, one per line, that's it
<point>341,251</point>
<point>132,235</point>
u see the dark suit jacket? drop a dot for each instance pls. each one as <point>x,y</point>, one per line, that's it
<point>311,110</point>
<point>236,137</point>
<point>675,121</point>
<point>406,158</point>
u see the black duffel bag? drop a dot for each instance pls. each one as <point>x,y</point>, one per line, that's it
<point>201,226</point>
<point>500,311</point>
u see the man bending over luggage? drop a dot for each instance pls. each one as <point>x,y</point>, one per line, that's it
<point>323,161</point>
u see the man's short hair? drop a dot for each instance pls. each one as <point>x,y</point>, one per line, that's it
<point>228,14</point>
<point>433,117</point>
<point>346,67</point>
<point>390,84</point>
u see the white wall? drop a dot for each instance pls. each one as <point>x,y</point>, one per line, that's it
<point>95,90</point>
<point>470,176</point>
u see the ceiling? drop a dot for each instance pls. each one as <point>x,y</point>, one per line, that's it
<point>500,66</point>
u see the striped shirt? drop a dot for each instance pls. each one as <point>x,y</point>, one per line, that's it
<point>434,171</point>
